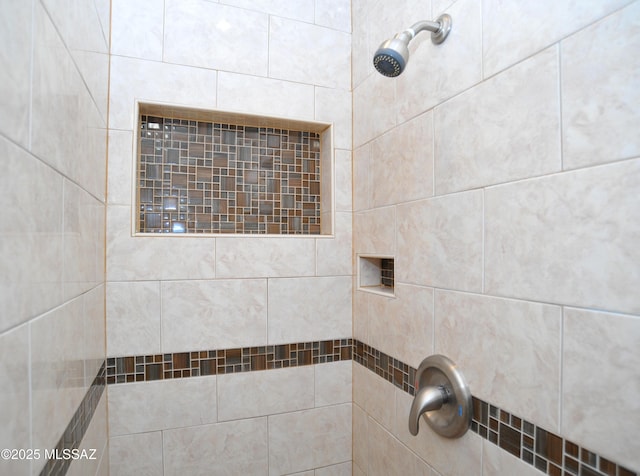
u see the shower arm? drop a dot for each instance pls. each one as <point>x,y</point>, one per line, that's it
<point>431,26</point>
<point>439,29</point>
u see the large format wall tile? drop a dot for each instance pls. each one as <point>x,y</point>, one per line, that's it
<point>597,71</point>
<point>319,55</point>
<point>206,315</point>
<point>374,231</point>
<point>504,129</point>
<point>333,383</point>
<point>136,455</point>
<point>402,163</point>
<point>210,35</point>
<point>601,382</point>
<point>508,351</point>
<point>295,9</point>
<point>133,318</point>
<point>309,439</point>
<point>513,31</point>
<point>374,395</point>
<point>137,28</point>
<point>440,242</point>
<point>237,447</point>
<point>567,238</point>
<point>300,311</point>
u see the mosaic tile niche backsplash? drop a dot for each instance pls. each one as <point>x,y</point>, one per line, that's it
<point>207,177</point>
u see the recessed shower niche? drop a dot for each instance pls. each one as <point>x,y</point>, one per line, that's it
<point>214,172</point>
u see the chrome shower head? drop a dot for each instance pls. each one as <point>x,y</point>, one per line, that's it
<point>392,55</point>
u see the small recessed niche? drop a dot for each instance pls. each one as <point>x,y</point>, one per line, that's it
<point>217,172</point>
<point>376,274</point>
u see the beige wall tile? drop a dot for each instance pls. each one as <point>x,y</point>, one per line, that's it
<point>96,439</point>
<point>320,56</point>
<point>374,396</point>
<point>437,72</point>
<point>360,432</point>
<point>136,455</point>
<point>333,255</point>
<point>237,447</point>
<point>295,9</point>
<point>300,311</point>
<point>133,318</point>
<point>601,382</point>
<point>373,108</point>
<point>137,28</point>
<point>159,405</point>
<point>266,96</point>
<point>94,332</point>
<point>440,242</point>
<point>495,460</point>
<point>567,238</point>
<point>122,163</point>
<point>334,14</point>
<point>402,163</point>
<point>515,31</point>
<point>327,430</point>
<point>503,344</point>
<point>264,257</point>
<point>597,72</point>
<point>205,315</point>
<point>374,232</point>
<point>343,187</point>
<point>361,178</point>
<point>333,383</point>
<point>227,38</point>
<point>252,394</point>
<point>78,24</point>
<point>504,129</point>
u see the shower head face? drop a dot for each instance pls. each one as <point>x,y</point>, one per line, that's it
<point>391,57</point>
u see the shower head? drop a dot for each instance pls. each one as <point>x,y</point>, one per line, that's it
<point>392,56</point>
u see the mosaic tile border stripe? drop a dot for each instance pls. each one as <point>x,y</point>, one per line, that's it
<point>145,368</point>
<point>546,451</point>
<point>542,449</point>
<point>77,426</point>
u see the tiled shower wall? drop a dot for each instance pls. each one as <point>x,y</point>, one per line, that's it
<point>184,294</point>
<point>53,83</point>
<point>501,171</point>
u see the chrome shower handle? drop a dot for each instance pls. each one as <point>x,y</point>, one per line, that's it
<point>443,396</point>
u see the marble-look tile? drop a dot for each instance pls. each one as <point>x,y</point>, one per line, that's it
<point>495,460</point>
<point>361,178</point>
<point>15,69</point>
<point>14,398</point>
<point>448,457</point>
<point>203,315</point>
<point>567,238</point>
<point>295,9</point>
<point>600,91</point>
<point>389,457</point>
<point>440,242</point>
<point>95,438</point>
<point>503,344</point>
<point>334,106</point>
<point>374,395</point>
<point>357,471</point>
<point>515,30</point>
<point>94,337</point>
<point>227,38</point>
<point>31,240</point>
<point>266,96</point>
<point>237,447</point>
<point>103,9</point>
<point>334,14</point>
<point>83,236</point>
<point>402,326</point>
<point>374,232</point>
<point>504,129</point>
<point>360,444</point>
<point>402,163</point>
<point>78,24</point>
<point>333,255</point>
<point>94,69</point>
<point>60,96</point>
<point>373,108</point>
<point>253,394</point>
<point>361,314</point>
<point>299,310</point>
<point>136,257</point>
<point>319,55</point>
<point>133,318</point>
<point>135,79</point>
<point>360,58</point>
<point>121,167</point>
<point>137,28</point>
<point>264,257</point>
<point>343,187</point>
<point>327,430</point>
<point>438,72</point>
<point>136,455</point>
<point>333,383</point>
<point>57,371</point>
<point>161,405</point>
<point>342,469</point>
<point>601,383</point>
